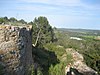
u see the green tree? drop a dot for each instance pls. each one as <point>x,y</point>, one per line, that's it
<point>12,19</point>
<point>22,21</point>
<point>30,23</point>
<point>6,18</point>
<point>58,69</point>
<point>42,31</point>
<point>3,20</point>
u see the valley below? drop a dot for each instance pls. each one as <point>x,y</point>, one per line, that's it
<point>36,48</point>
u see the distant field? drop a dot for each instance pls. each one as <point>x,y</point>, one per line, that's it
<point>89,37</point>
<point>82,33</point>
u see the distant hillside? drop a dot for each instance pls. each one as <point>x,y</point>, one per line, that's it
<point>81,31</point>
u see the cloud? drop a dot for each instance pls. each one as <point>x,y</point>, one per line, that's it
<point>58,2</point>
<point>36,7</point>
<point>60,13</point>
<point>54,2</point>
<point>49,6</point>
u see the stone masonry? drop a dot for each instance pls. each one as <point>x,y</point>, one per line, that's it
<point>15,49</point>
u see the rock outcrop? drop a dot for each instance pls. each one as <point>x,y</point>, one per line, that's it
<point>78,67</point>
<point>15,49</point>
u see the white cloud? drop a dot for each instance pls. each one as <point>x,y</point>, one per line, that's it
<point>38,1</point>
<point>55,2</point>
<point>49,6</point>
<point>36,7</point>
<point>52,4</point>
<point>61,13</point>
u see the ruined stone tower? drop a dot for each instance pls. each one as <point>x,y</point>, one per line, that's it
<point>15,49</point>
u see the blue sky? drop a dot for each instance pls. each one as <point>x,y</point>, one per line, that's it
<point>83,14</point>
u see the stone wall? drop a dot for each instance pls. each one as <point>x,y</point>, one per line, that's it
<point>15,49</point>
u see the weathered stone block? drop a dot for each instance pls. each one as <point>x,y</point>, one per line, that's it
<point>15,49</point>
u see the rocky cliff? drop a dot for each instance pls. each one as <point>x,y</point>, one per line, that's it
<point>78,67</point>
<point>15,49</point>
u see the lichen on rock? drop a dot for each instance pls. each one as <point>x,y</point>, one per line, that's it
<point>78,67</point>
<point>15,49</point>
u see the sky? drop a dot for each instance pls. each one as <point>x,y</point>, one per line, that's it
<point>82,14</point>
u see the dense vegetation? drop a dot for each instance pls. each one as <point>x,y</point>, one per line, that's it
<point>47,53</point>
<point>12,21</point>
<point>49,45</point>
<point>42,31</point>
<point>88,46</point>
